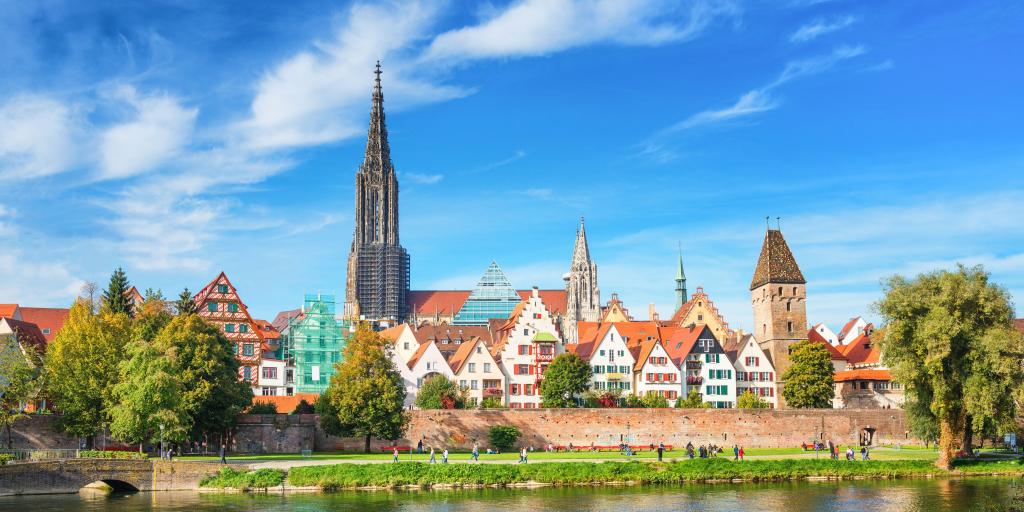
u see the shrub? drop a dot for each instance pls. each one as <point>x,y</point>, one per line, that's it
<point>244,480</point>
<point>260,407</point>
<point>437,392</point>
<point>654,401</point>
<point>304,407</point>
<point>503,437</point>
<point>491,402</point>
<point>5,458</point>
<point>111,454</point>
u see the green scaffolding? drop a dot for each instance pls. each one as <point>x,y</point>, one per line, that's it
<point>315,341</point>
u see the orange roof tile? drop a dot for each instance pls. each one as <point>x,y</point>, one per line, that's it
<point>392,333</point>
<point>28,333</point>
<point>422,349</point>
<point>49,320</point>
<point>461,355</point>
<point>287,404</point>
<point>846,328</point>
<point>681,340</point>
<point>8,310</point>
<point>815,336</point>
<point>448,302</point>
<point>269,332</point>
<point>862,351</point>
<point>643,352</point>
<point>862,374</point>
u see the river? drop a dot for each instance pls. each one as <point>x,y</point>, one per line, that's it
<point>905,495</point>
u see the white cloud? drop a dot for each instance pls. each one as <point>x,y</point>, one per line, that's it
<point>423,179</point>
<point>37,137</point>
<point>540,27</point>
<point>750,103</point>
<point>519,155</point>
<point>538,193</point>
<point>821,27</point>
<point>158,131</point>
<point>800,68</point>
<point>30,282</point>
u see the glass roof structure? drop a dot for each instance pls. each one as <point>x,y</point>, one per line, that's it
<point>493,297</point>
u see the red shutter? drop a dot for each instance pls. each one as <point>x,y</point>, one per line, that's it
<point>532,369</point>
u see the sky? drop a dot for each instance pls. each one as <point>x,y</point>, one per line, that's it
<point>180,139</point>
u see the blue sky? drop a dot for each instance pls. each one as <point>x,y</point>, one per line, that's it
<point>178,139</point>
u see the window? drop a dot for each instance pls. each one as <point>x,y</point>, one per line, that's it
<point>794,291</point>
<point>623,369</point>
<point>243,327</point>
<point>611,369</point>
<point>789,326</point>
<point>222,288</point>
<point>789,305</point>
<point>621,353</point>
<point>462,384</point>
<point>270,373</point>
<point>528,389</point>
<point>472,367</point>
<point>46,330</point>
<point>233,307</point>
<point>600,352</point>
<point>267,391</point>
<point>473,384</point>
<point>479,349</point>
<point>524,350</point>
<point>526,332</point>
<point>513,389</point>
<point>211,307</point>
<point>780,291</point>
<point>247,349</point>
<point>753,361</point>
<point>405,346</point>
<point>246,373</point>
<point>487,367</point>
<point>522,369</point>
<point>598,368</point>
<point>229,327</point>
<point>700,318</point>
<point>711,358</point>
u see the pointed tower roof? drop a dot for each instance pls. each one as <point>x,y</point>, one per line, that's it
<point>581,252</point>
<point>493,297</point>
<point>378,151</point>
<point>680,274</point>
<point>776,263</point>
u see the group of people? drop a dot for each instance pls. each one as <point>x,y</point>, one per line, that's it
<point>474,455</point>
<point>711,451</point>
<point>834,449</point>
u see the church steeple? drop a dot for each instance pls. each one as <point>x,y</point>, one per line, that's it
<point>581,252</point>
<point>680,281</point>
<point>582,296</point>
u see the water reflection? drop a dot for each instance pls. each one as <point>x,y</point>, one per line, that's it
<point>912,495</point>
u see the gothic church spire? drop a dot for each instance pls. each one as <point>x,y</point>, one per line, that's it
<point>680,281</point>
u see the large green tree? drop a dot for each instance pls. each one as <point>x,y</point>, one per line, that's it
<point>950,342</point>
<point>20,369</point>
<point>748,400</point>
<point>204,360</point>
<point>366,394</point>
<point>81,367</point>
<point>184,304</point>
<point>115,297</point>
<point>809,379</point>
<point>437,392</point>
<point>565,378</point>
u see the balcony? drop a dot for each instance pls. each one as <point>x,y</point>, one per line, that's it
<point>694,380</point>
<point>545,358</point>
<point>615,376</point>
<point>492,392</point>
<point>693,365</point>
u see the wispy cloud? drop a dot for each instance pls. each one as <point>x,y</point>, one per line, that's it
<point>539,193</point>
<point>750,103</point>
<point>423,179</point>
<point>540,27</point>
<point>37,137</point>
<point>519,155</point>
<point>158,130</point>
<point>821,27</point>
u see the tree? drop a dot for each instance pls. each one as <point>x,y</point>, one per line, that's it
<point>148,398</point>
<point>366,393</point>
<point>211,395</point>
<point>115,297</point>
<point>503,437</point>
<point>809,380</point>
<point>304,407</point>
<point>693,400</point>
<point>654,401</point>
<point>151,294</point>
<point>748,400</point>
<point>437,392</point>
<point>949,340</point>
<point>491,402</point>
<point>263,407</point>
<point>633,401</point>
<point>81,367</point>
<point>184,305</point>
<point>567,376</point>
<point>19,380</point>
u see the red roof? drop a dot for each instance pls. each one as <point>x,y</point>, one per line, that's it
<point>1019,324</point>
<point>281,320</point>
<point>862,374</point>
<point>8,310</point>
<point>28,333</point>
<point>448,302</point>
<point>862,351</point>
<point>846,328</point>
<point>287,404</point>
<point>268,330</point>
<point>815,336</point>
<point>679,341</point>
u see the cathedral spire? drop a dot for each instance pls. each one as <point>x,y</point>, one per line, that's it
<point>581,253</point>
<point>378,151</point>
<point>680,281</point>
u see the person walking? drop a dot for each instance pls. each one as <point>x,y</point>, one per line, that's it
<point>735,452</point>
<point>433,458</point>
<point>661,450</point>
<point>741,453</point>
<point>523,456</point>
<point>476,452</point>
<point>444,456</point>
<point>223,454</point>
<point>396,455</point>
<point>419,447</point>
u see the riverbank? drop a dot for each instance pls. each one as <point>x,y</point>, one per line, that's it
<point>427,476</point>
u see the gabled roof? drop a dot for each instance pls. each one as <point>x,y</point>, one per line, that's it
<point>450,334</point>
<point>29,335</point>
<point>776,263</point>
<point>422,349</point>
<point>846,328</point>
<point>269,332</point>
<point>203,295</point>
<point>427,303</point>
<point>46,318</point>
<point>642,352</point>
<point>814,336</point>
<point>862,374</point>
<point>862,351</point>
<point>392,333</point>
<point>680,341</point>
<point>281,320</point>
<point>459,358</point>
<point>698,297</point>
<point>8,310</point>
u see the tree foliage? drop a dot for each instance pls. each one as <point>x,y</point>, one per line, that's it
<point>693,400</point>
<point>437,392</point>
<point>304,407</point>
<point>147,400</point>
<point>748,400</point>
<point>654,401</point>
<point>115,297</point>
<point>81,367</point>
<point>503,437</point>
<point>566,377</point>
<point>366,394</point>
<point>263,407</point>
<point>20,372</point>
<point>184,305</point>
<point>809,380</point>
<point>950,342</point>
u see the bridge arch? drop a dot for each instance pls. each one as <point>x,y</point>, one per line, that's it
<point>112,485</point>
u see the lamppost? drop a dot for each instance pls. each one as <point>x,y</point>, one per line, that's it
<point>161,440</point>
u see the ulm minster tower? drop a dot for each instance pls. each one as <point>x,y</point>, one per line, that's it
<point>377,278</point>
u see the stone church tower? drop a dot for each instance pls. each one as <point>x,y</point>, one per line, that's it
<point>582,296</point>
<point>778,293</point>
<point>377,279</point>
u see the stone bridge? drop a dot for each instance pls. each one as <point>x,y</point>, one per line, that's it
<point>70,476</point>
